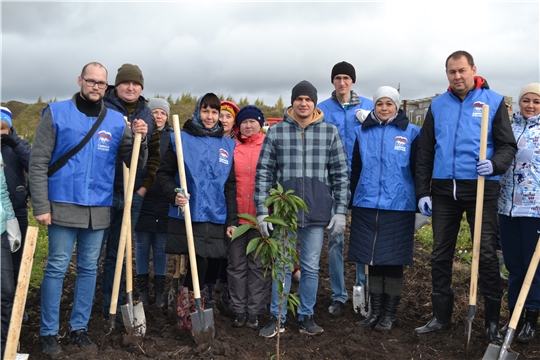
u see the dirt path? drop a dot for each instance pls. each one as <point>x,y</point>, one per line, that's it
<point>342,339</point>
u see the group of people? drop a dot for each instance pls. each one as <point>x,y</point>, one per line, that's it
<point>345,155</point>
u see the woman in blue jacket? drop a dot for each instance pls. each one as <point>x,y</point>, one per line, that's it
<point>383,203</point>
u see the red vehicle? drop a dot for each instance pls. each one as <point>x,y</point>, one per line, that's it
<point>271,121</point>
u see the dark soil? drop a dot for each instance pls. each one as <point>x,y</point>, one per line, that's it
<point>342,338</point>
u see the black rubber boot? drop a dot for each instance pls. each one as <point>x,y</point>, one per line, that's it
<point>492,311</point>
<point>159,291</point>
<point>142,284</point>
<point>443,305</point>
<point>207,293</point>
<point>374,315</point>
<point>529,326</point>
<point>225,298</point>
<point>391,303</point>
<point>504,329</point>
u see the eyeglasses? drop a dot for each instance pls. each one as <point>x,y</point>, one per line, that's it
<point>92,83</point>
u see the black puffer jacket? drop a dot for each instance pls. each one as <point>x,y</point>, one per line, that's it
<point>16,160</point>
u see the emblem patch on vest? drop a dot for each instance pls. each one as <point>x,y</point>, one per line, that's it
<point>223,156</point>
<point>477,109</point>
<point>400,143</point>
<point>104,140</point>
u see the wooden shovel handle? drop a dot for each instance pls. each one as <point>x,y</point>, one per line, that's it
<point>479,209</point>
<point>187,214</point>
<point>126,223</point>
<point>21,292</point>
<point>525,287</point>
<point>129,256</point>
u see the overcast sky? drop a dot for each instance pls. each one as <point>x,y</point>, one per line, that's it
<point>261,50</point>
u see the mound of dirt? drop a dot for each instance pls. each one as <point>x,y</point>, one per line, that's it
<point>342,338</point>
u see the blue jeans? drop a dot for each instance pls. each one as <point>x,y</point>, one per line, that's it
<point>61,242</point>
<point>311,240</point>
<point>111,236</point>
<point>156,241</point>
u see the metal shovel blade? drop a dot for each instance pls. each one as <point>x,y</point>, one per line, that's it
<point>202,322</point>
<point>468,327</point>
<point>134,318</point>
<point>503,352</point>
<point>359,300</point>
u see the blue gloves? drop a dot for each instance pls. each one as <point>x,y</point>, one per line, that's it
<point>484,167</point>
<point>424,205</point>
<point>338,223</point>
<point>264,226</point>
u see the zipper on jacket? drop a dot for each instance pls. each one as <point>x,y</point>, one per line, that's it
<point>303,173</point>
<point>89,165</point>
<point>381,167</point>
<point>514,169</point>
<point>455,141</point>
<point>375,237</point>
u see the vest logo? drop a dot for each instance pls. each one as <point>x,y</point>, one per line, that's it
<point>400,143</point>
<point>223,156</point>
<point>477,109</point>
<point>104,140</point>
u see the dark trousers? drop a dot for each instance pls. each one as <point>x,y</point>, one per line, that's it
<point>16,257</point>
<point>7,289</point>
<point>447,215</point>
<point>519,237</point>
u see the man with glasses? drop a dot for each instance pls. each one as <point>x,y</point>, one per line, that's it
<point>74,202</point>
<point>344,109</point>
<point>125,97</point>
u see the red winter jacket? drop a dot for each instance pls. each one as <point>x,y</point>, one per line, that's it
<point>246,155</point>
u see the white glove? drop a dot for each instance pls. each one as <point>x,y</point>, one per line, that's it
<point>338,223</point>
<point>264,226</point>
<point>424,205</point>
<point>361,115</point>
<point>14,234</point>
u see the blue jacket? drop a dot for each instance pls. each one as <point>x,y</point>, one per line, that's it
<point>207,170</point>
<point>16,160</point>
<point>383,155</point>
<point>87,178</point>
<point>344,118</point>
<point>382,186</point>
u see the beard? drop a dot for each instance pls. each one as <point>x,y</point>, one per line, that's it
<point>86,96</point>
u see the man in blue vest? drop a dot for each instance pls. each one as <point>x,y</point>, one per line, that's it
<point>75,201</point>
<point>446,183</point>
<point>344,109</point>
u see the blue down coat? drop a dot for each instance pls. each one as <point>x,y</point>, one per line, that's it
<point>383,214</point>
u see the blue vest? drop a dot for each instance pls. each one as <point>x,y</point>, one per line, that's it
<point>208,162</point>
<point>386,181</point>
<point>88,176</point>
<point>457,133</point>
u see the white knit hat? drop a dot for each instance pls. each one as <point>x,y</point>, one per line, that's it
<point>387,92</point>
<point>531,88</point>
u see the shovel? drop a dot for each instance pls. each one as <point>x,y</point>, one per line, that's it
<point>496,352</point>
<point>477,232</point>
<point>126,228</point>
<point>203,329</point>
<point>21,292</point>
<point>133,314</point>
<point>361,296</point>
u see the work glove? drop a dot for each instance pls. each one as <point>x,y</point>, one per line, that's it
<point>484,167</point>
<point>424,205</point>
<point>8,140</point>
<point>338,223</point>
<point>14,234</point>
<point>264,226</point>
<point>361,115</point>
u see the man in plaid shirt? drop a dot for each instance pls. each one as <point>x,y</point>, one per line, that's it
<point>306,154</point>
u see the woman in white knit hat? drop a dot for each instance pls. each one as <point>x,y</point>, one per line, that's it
<point>519,214</point>
<point>383,203</point>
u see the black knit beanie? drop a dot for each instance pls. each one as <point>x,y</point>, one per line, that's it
<point>343,68</point>
<point>304,88</point>
<point>129,72</point>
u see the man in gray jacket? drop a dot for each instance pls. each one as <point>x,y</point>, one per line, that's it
<point>74,200</point>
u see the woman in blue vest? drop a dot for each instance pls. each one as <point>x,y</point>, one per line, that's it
<point>383,203</point>
<point>211,183</point>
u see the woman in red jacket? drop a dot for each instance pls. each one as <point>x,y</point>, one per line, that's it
<point>248,286</point>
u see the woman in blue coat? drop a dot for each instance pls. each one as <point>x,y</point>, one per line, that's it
<point>383,203</point>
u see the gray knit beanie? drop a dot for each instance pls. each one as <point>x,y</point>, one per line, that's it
<point>387,92</point>
<point>304,88</point>
<point>158,103</point>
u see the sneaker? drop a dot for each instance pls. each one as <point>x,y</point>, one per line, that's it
<point>270,329</point>
<point>240,320</point>
<point>335,308</point>
<point>80,338</point>
<point>253,322</point>
<point>308,326</point>
<point>50,345</point>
